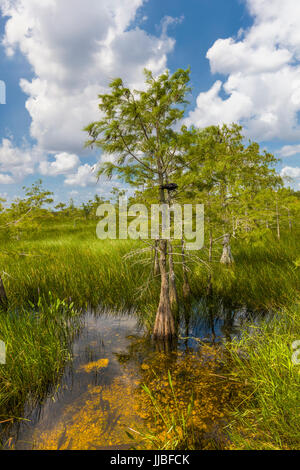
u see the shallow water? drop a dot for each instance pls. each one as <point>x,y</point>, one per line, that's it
<point>100,398</point>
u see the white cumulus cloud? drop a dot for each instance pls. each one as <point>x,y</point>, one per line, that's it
<point>292,176</point>
<point>64,163</point>
<point>16,162</point>
<point>84,176</point>
<point>289,150</point>
<point>75,48</point>
<point>6,179</point>
<point>262,88</point>
<point>291,172</point>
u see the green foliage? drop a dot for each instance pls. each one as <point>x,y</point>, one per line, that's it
<point>37,196</point>
<point>71,262</point>
<point>268,417</point>
<point>38,346</point>
<point>263,276</point>
<point>138,128</point>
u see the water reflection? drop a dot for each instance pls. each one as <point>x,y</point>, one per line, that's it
<point>213,321</point>
<point>99,396</point>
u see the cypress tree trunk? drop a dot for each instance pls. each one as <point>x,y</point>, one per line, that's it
<point>210,246</point>
<point>3,296</point>
<point>172,281</point>
<point>156,270</point>
<point>227,257</point>
<point>247,225</point>
<point>209,286</point>
<point>212,321</point>
<point>233,226</point>
<point>164,326</point>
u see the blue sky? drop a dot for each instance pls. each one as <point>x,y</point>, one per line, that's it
<point>245,67</point>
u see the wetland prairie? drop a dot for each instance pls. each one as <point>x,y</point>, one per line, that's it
<point>81,377</point>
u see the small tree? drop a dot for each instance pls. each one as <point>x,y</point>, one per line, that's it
<point>60,207</point>
<point>21,215</point>
<point>138,127</point>
<point>2,202</point>
<point>37,196</point>
<point>228,175</point>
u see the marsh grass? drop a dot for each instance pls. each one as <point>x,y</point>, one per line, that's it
<point>66,259</point>
<point>76,266</point>
<point>38,344</point>
<point>265,411</point>
<point>264,275</point>
<point>72,263</point>
<point>268,416</point>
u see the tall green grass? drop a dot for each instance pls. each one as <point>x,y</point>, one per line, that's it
<point>72,263</point>
<point>77,267</point>
<point>269,414</point>
<point>264,274</point>
<point>38,345</point>
<point>68,260</point>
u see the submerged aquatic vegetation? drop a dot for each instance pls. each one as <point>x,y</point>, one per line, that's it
<point>185,401</point>
<point>95,421</point>
<point>179,429</point>
<point>186,408</point>
<point>92,366</point>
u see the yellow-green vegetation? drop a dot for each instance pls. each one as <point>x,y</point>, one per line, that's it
<point>99,423</point>
<point>38,344</point>
<point>268,417</point>
<point>264,276</point>
<point>71,263</point>
<point>250,260</point>
<point>245,399</point>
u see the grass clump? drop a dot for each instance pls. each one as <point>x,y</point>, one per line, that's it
<point>37,348</point>
<point>72,263</point>
<point>268,417</point>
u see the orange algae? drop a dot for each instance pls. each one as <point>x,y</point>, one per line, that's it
<point>93,366</point>
<point>98,420</point>
<point>101,418</point>
<point>197,379</point>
